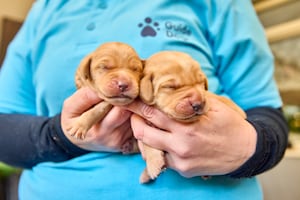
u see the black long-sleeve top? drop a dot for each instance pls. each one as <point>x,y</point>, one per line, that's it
<point>28,140</point>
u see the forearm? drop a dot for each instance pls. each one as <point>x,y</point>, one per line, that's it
<point>28,140</point>
<point>272,139</point>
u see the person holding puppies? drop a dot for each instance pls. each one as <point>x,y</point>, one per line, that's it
<point>38,102</point>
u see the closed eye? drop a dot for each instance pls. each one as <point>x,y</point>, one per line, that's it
<point>170,86</point>
<point>105,67</point>
<point>135,69</point>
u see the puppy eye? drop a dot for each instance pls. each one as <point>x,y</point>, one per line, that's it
<point>135,69</point>
<point>105,67</point>
<point>170,87</point>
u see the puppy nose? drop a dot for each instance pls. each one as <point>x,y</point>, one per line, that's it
<point>123,87</point>
<point>198,106</point>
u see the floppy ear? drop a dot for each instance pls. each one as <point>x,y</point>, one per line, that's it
<point>83,74</point>
<point>205,80</point>
<point>143,63</point>
<point>206,84</point>
<point>147,90</point>
<point>202,74</point>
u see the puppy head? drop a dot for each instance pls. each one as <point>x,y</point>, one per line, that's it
<point>174,83</point>
<point>113,71</point>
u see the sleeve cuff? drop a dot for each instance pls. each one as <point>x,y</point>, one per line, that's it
<point>62,141</point>
<point>252,166</point>
<point>272,140</point>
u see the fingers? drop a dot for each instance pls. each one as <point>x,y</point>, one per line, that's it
<point>81,100</point>
<point>115,117</point>
<point>118,137</point>
<point>151,114</point>
<point>148,134</point>
<point>141,148</point>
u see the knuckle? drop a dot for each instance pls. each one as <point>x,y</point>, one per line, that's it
<point>139,134</point>
<point>147,111</point>
<point>66,102</point>
<point>184,152</point>
<point>68,99</point>
<point>183,168</point>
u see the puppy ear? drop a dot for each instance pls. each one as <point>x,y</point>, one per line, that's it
<point>202,74</point>
<point>205,80</point>
<point>206,84</point>
<point>143,63</point>
<point>83,72</point>
<point>147,90</point>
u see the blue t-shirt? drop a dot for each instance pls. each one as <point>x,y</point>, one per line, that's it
<point>226,38</point>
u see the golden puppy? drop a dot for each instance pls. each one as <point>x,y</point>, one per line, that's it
<point>113,71</point>
<point>174,83</point>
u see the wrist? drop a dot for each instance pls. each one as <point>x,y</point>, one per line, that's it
<point>247,146</point>
<point>63,141</point>
<point>272,132</point>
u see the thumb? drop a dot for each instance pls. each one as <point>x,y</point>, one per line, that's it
<point>148,134</point>
<point>81,100</point>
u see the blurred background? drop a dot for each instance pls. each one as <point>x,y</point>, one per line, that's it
<point>281,20</point>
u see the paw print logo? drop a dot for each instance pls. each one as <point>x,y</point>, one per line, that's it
<point>150,28</point>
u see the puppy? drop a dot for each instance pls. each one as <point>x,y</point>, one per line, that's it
<point>113,71</point>
<point>174,83</point>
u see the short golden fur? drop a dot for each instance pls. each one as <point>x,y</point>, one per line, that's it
<point>174,83</point>
<point>113,71</point>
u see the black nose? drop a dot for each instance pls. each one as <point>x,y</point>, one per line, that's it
<point>198,106</point>
<point>123,87</point>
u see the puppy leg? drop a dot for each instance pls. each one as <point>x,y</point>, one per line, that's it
<point>145,178</point>
<point>130,146</point>
<point>155,162</point>
<point>206,177</point>
<point>80,127</point>
<point>230,103</point>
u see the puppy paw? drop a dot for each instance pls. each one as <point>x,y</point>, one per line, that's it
<point>77,130</point>
<point>145,178</point>
<point>130,146</point>
<point>206,177</point>
<point>155,164</point>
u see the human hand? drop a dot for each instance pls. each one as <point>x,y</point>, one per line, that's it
<point>219,143</point>
<point>107,135</point>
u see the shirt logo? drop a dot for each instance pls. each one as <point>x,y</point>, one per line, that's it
<point>150,28</point>
<point>176,30</point>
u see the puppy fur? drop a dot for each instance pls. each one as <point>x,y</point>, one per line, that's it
<point>113,71</point>
<point>174,83</point>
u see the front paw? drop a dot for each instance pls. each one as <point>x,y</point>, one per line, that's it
<point>145,178</point>
<point>155,164</point>
<point>130,146</point>
<point>206,177</point>
<point>77,130</point>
